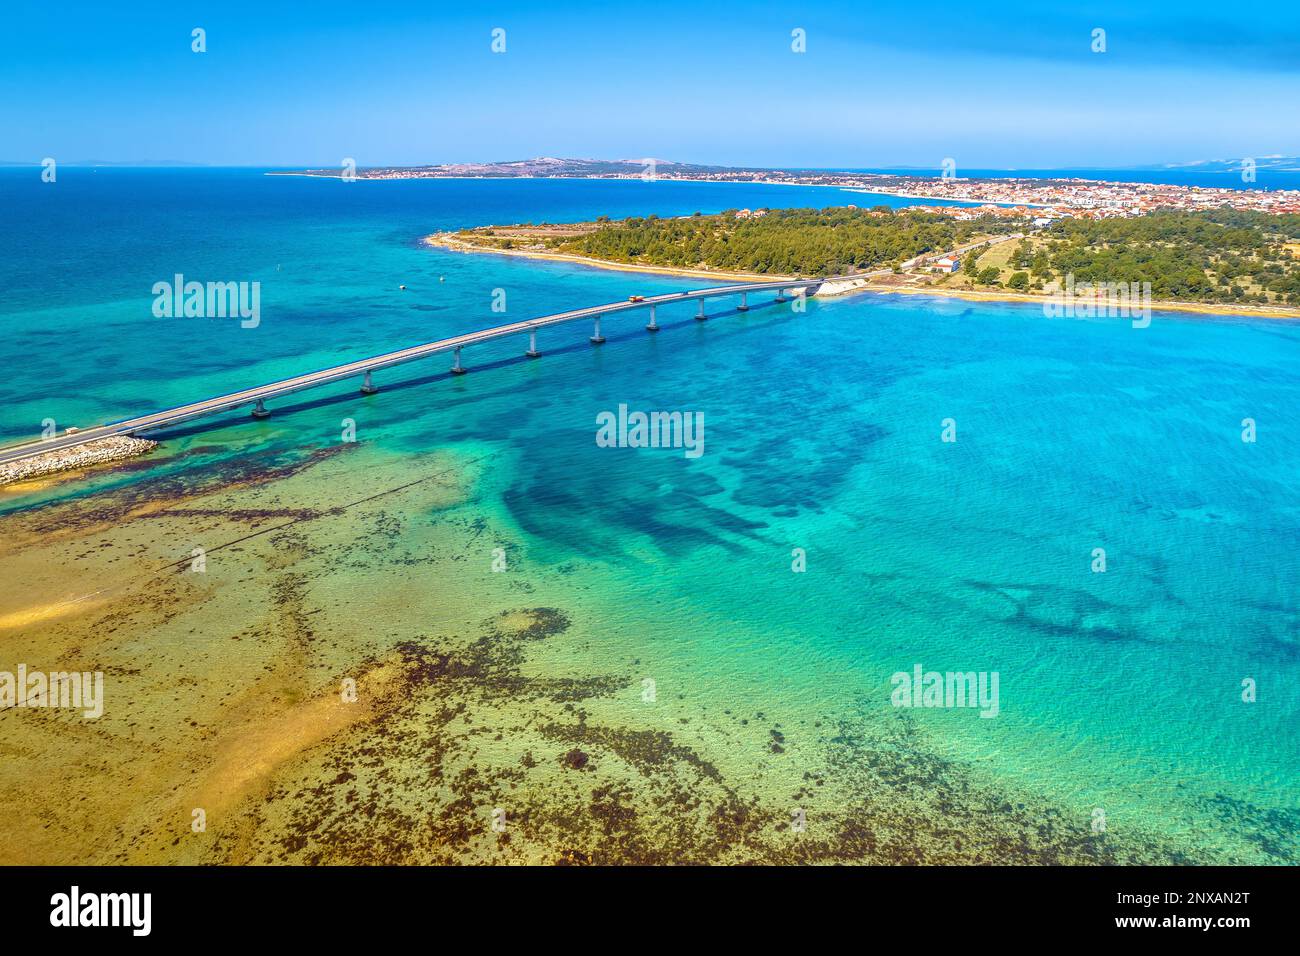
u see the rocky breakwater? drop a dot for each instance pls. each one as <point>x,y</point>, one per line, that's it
<point>97,452</point>
<point>841,286</point>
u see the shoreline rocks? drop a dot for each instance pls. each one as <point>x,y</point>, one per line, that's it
<point>98,452</point>
<point>840,286</point>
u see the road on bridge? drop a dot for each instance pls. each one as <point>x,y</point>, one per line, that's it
<point>261,393</point>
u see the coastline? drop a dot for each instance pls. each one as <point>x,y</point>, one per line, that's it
<point>104,451</point>
<point>859,190</point>
<point>1200,308</point>
<point>451,242</point>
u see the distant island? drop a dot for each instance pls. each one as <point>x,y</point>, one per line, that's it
<point>1221,260</point>
<point>1052,198</point>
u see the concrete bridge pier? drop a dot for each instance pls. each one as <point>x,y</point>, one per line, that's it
<point>700,316</point>
<point>256,399</point>
<point>744,302</point>
<point>532,345</point>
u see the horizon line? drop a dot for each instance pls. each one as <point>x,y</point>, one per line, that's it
<point>1191,165</point>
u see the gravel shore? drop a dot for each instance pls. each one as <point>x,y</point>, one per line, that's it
<point>96,452</point>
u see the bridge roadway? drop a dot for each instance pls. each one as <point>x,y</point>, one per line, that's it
<point>257,396</point>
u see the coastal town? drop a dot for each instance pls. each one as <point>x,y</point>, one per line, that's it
<point>1044,200</point>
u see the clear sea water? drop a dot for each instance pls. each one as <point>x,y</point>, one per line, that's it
<point>1120,690</point>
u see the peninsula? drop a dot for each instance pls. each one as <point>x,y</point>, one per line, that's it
<point>1224,261</point>
<point>1046,197</point>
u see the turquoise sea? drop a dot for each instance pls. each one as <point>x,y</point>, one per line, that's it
<point>1120,691</point>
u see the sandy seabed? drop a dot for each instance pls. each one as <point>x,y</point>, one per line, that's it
<point>342,679</point>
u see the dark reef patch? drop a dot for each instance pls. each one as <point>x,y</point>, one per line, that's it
<point>116,506</point>
<point>472,760</point>
<point>649,751</point>
<point>1275,830</point>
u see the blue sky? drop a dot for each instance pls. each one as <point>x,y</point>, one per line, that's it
<point>1003,85</point>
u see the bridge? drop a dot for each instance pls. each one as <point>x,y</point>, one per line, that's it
<point>364,368</point>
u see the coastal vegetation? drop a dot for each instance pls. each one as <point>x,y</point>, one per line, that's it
<point>804,242</point>
<point>1221,257</point>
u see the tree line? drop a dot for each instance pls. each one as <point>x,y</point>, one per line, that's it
<point>802,242</point>
<point>1221,256</point>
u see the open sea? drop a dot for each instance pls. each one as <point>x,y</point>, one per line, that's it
<point>636,605</point>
